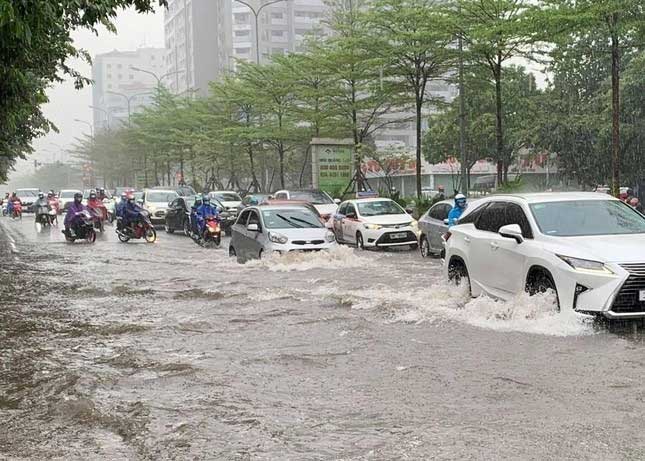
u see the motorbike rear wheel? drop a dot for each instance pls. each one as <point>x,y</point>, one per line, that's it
<point>122,237</point>
<point>91,236</point>
<point>150,235</point>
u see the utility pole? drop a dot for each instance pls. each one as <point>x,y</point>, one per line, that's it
<point>463,160</point>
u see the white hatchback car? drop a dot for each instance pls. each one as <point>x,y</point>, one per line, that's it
<point>375,222</point>
<point>589,248</point>
<point>267,229</point>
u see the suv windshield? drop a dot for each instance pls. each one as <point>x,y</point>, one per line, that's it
<point>312,196</point>
<point>67,194</point>
<point>290,218</point>
<point>379,208</point>
<point>587,217</point>
<point>226,196</point>
<point>161,197</point>
<point>27,192</point>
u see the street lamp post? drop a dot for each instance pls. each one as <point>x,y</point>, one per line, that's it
<point>129,100</point>
<point>107,115</point>
<point>256,12</point>
<point>88,124</point>
<point>159,79</point>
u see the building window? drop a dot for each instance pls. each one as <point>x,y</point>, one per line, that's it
<point>242,18</point>
<point>278,51</point>
<point>277,33</point>
<point>242,50</point>
<point>242,33</point>
<point>277,15</point>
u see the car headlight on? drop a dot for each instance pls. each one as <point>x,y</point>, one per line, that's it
<point>414,224</point>
<point>372,226</point>
<point>278,238</point>
<point>586,265</point>
<point>330,237</point>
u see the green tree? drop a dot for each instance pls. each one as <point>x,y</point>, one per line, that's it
<point>494,32</point>
<point>35,48</point>
<point>412,38</point>
<point>618,23</point>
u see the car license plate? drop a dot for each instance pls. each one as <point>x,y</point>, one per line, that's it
<point>400,235</point>
<point>641,295</point>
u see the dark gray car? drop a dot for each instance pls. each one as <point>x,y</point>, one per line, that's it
<point>432,228</point>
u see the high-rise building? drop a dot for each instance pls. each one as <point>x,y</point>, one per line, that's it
<point>198,43</point>
<point>281,27</point>
<point>120,89</point>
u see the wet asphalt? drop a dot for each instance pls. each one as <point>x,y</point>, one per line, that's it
<point>171,351</point>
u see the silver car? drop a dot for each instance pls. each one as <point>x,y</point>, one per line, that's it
<point>432,227</point>
<point>267,229</point>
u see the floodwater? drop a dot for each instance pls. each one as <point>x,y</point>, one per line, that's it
<point>169,351</point>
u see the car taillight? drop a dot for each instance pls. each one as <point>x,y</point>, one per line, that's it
<point>446,236</point>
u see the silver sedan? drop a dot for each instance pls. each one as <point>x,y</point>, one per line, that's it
<point>432,227</point>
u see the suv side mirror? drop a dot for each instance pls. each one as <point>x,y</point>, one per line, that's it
<point>446,221</point>
<point>409,211</point>
<point>351,215</point>
<point>512,231</point>
<point>253,228</point>
<point>337,201</point>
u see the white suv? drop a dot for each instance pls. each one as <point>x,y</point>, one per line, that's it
<point>589,248</point>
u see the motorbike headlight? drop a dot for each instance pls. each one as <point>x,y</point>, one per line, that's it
<point>278,238</point>
<point>330,237</point>
<point>372,226</point>
<point>586,265</point>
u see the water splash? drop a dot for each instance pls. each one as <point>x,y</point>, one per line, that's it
<point>340,257</point>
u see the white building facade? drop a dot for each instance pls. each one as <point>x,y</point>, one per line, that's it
<point>118,89</point>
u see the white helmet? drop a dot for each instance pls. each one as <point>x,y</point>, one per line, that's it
<point>460,197</point>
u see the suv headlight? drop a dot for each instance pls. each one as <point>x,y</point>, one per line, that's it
<point>330,237</point>
<point>586,265</point>
<point>278,238</point>
<point>414,224</point>
<point>372,226</point>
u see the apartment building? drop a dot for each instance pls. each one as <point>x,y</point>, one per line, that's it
<point>120,86</point>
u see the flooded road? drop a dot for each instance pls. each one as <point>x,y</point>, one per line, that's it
<point>170,351</point>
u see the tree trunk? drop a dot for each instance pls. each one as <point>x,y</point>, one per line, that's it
<point>419,106</point>
<point>255,183</point>
<point>181,169</point>
<point>499,133</point>
<point>281,156</point>
<point>465,171</point>
<point>304,165</point>
<point>615,108</point>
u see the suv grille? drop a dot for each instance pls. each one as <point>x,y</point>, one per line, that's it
<point>627,299</point>
<point>308,242</point>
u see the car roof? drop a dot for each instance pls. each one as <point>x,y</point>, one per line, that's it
<point>223,192</point>
<point>541,197</point>
<point>371,199</point>
<point>282,206</point>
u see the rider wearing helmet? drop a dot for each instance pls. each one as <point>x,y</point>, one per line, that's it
<point>131,212</point>
<point>101,195</point>
<point>119,210</point>
<point>456,212</point>
<point>74,211</point>
<point>41,205</point>
<point>204,211</point>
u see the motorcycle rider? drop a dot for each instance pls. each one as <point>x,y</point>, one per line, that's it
<point>72,218</point>
<point>119,211</point>
<point>101,195</point>
<point>204,211</point>
<point>456,212</point>
<point>194,227</point>
<point>131,211</point>
<point>41,206</point>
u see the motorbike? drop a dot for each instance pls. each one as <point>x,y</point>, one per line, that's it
<point>44,216</point>
<point>55,205</point>
<point>211,237</point>
<point>143,228</point>
<point>83,230</point>
<point>99,215</point>
<point>17,210</point>
<point>5,210</point>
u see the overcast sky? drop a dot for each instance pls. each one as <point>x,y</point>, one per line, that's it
<point>66,103</point>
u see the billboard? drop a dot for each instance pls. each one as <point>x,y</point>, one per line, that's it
<point>332,164</point>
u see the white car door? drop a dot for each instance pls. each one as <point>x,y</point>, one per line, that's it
<point>350,224</point>
<point>337,221</point>
<point>497,263</point>
<point>512,257</point>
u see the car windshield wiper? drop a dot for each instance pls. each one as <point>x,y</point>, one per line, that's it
<point>305,221</point>
<point>284,218</point>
